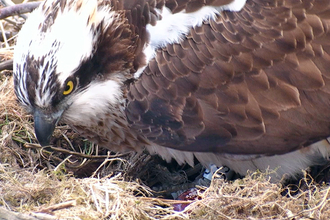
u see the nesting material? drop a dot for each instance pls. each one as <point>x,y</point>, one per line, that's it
<point>41,183</point>
<point>77,180</point>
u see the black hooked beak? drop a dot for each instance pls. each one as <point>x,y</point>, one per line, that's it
<point>44,126</point>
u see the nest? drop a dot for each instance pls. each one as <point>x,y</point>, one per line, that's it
<point>75,179</point>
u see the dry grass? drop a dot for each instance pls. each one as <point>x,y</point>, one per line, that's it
<point>43,182</point>
<point>254,197</point>
<point>25,187</point>
<point>32,181</point>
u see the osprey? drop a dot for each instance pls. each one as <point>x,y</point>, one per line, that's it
<point>241,83</point>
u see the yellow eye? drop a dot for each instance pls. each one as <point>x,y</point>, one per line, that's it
<point>69,88</point>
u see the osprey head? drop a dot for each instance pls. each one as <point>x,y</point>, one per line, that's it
<point>71,55</point>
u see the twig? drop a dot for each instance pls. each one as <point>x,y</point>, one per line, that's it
<point>29,145</point>
<point>55,207</point>
<point>15,23</point>
<point>320,206</point>
<point>169,201</point>
<point>104,162</point>
<point>67,139</point>
<point>62,162</point>
<point>6,65</point>
<point>18,9</point>
<point>3,34</point>
<point>7,214</point>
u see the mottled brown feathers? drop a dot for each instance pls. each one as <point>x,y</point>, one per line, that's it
<point>249,82</point>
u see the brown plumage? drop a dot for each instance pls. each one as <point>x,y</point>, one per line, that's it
<point>235,90</point>
<point>245,81</point>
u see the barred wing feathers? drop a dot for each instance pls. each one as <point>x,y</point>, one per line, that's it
<point>248,82</point>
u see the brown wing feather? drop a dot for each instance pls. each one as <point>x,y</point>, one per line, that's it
<point>251,82</point>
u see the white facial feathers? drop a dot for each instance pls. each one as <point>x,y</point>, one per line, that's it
<point>94,101</point>
<point>63,33</point>
<point>62,37</point>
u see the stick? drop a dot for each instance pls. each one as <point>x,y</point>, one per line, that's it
<point>18,9</point>
<point>55,207</point>
<point>29,145</point>
<point>6,65</point>
<point>10,215</point>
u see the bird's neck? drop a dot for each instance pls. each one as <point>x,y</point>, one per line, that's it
<point>102,118</point>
